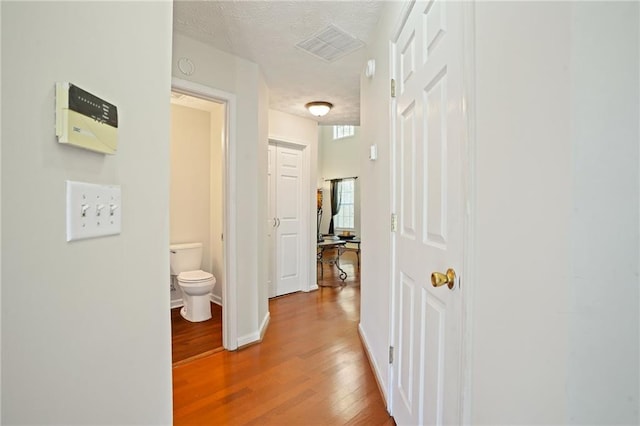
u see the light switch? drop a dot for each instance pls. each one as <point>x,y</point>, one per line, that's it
<point>373,152</point>
<point>93,210</point>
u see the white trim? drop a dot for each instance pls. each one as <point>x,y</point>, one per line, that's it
<point>305,239</point>
<point>341,212</point>
<point>265,324</point>
<point>215,299</point>
<point>377,371</point>
<point>310,235</point>
<point>469,202</point>
<point>351,133</point>
<point>393,73</point>
<point>229,289</point>
<point>247,339</point>
<point>392,202</point>
<point>404,15</point>
<point>212,298</point>
<point>256,336</point>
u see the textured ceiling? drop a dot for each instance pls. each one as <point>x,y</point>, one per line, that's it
<point>266,32</point>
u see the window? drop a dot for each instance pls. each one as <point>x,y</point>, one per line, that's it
<point>340,132</point>
<point>345,217</point>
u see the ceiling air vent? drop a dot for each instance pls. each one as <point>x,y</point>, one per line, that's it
<point>330,44</point>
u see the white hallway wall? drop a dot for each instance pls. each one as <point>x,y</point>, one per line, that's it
<point>85,325</point>
<point>555,147</point>
<point>604,320</point>
<point>545,179</point>
<point>375,196</point>
<point>519,346</point>
<point>222,71</point>
<point>261,212</point>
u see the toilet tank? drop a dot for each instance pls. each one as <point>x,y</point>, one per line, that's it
<point>185,257</point>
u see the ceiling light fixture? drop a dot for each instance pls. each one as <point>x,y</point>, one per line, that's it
<point>319,108</point>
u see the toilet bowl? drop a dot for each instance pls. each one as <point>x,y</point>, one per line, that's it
<point>196,284</point>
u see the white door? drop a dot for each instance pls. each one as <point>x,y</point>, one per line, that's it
<point>286,204</point>
<point>428,203</point>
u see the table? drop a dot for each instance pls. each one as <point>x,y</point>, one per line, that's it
<point>331,244</point>
<point>355,241</point>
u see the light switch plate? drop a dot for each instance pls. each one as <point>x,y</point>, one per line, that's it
<point>373,152</point>
<point>93,210</point>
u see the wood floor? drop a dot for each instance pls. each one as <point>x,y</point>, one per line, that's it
<point>195,339</point>
<point>310,369</point>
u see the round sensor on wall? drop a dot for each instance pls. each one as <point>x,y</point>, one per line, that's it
<point>185,66</point>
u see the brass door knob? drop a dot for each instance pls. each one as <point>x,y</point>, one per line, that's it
<point>439,279</point>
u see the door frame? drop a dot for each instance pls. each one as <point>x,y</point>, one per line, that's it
<point>229,289</point>
<point>305,200</point>
<point>468,202</point>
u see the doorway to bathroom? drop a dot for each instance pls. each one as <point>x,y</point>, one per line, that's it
<point>198,208</point>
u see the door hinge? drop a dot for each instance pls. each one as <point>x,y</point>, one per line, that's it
<point>390,354</point>
<point>394,222</point>
<point>393,87</point>
<point>221,237</point>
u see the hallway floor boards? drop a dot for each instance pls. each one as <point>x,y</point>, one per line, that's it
<point>310,369</point>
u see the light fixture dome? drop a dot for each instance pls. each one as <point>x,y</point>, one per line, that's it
<point>319,108</point>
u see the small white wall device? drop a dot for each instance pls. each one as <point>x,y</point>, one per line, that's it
<point>373,152</point>
<point>84,120</point>
<point>370,69</point>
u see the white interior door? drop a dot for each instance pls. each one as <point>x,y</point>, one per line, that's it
<point>428,201</point>
<point>285,186</point>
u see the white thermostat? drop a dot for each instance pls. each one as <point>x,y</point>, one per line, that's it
<point>84,120</point>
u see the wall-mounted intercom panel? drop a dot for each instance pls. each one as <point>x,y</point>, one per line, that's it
<point>84,120</point>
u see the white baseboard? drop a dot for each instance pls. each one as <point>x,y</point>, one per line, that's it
<point>264,325</point>
<point>374,365</point>
<point>256,336</point>
<point>215,299</point>
<point>248,339</point>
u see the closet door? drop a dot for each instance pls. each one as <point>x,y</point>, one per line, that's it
<point>288,165</point>
<point>285,175</point>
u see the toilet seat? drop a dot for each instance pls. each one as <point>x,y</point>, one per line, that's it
<point>193,277</point>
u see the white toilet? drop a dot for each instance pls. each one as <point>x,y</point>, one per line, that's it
<point>195,283</point>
